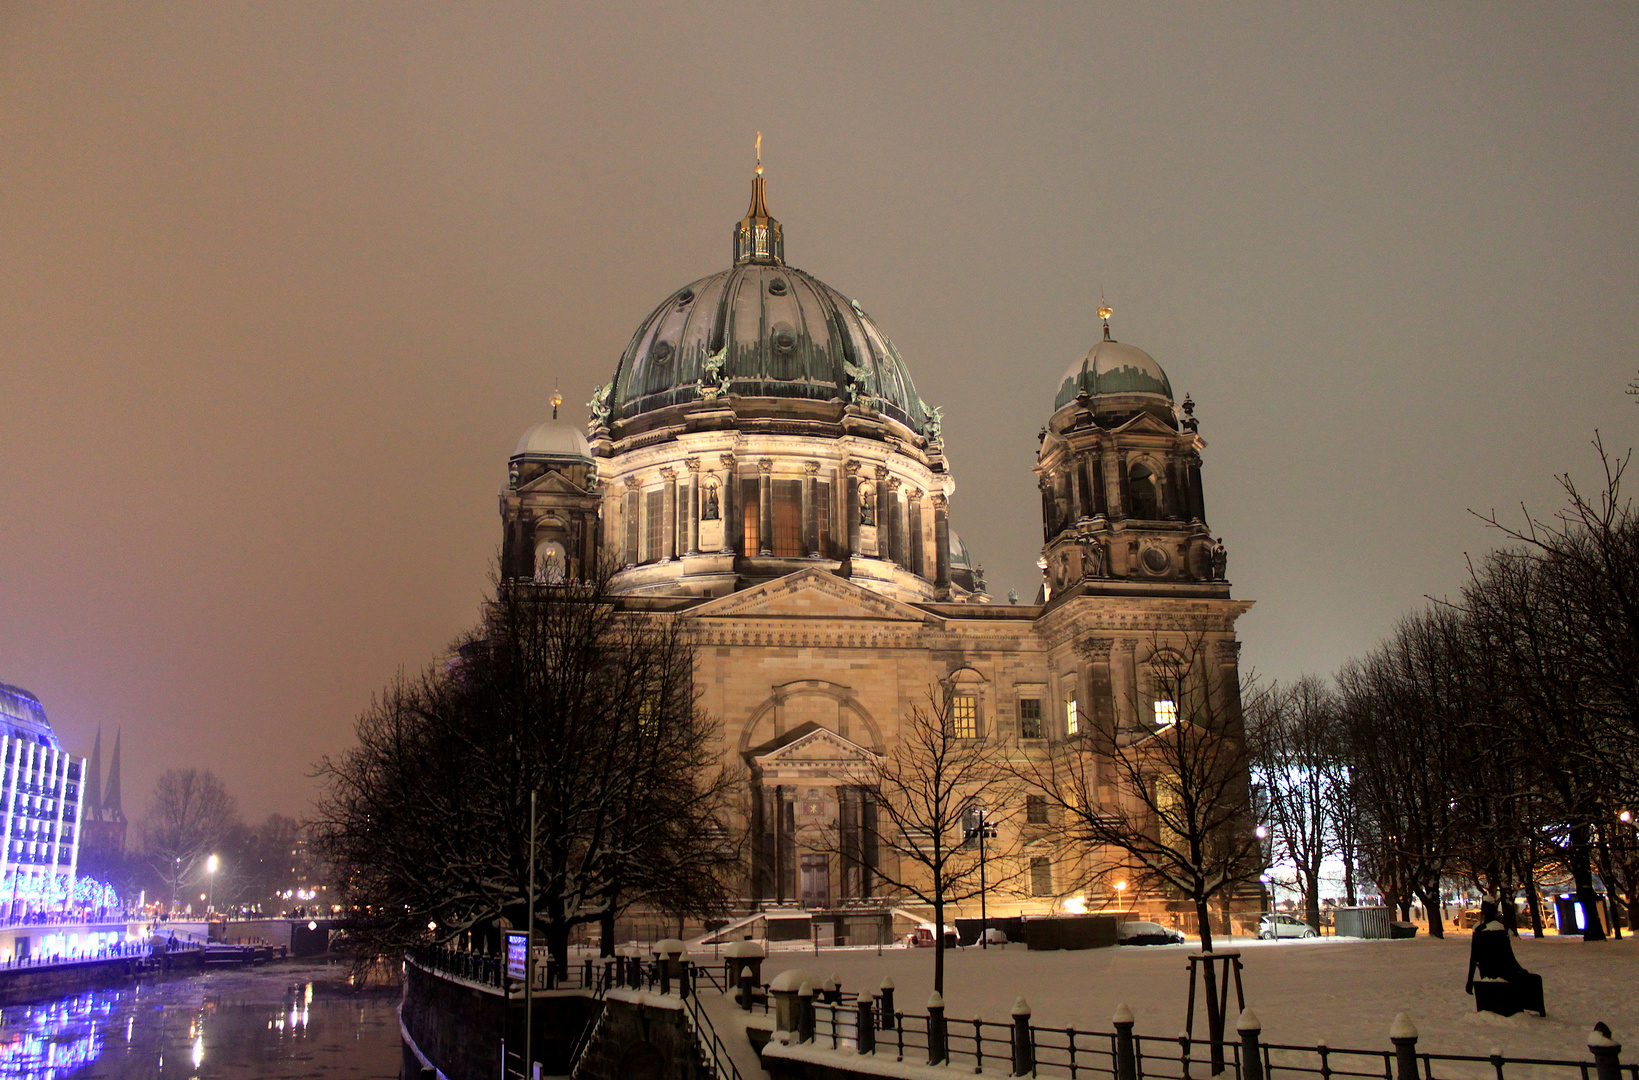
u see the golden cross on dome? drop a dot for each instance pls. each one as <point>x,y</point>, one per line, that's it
<point>556,399</point>
<point>759,153</point>
<point>1104,312</point>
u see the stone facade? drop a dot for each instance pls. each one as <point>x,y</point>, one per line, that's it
<point>761,468</point>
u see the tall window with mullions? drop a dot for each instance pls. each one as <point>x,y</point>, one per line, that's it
<point>787,495</point>
<point>654,513</point>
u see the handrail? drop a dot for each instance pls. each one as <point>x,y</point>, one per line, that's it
<point>705,1036</point>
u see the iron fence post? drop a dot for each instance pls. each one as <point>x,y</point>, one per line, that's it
<point>889,1016</point>
<point>1126,1064</point>
<point>937,1052</point>
<point>805,1012</point>
<point>1024,1050</point>
<point>1251,1060</point>
<point>1607,1053</point>
<point>1403,1034</point>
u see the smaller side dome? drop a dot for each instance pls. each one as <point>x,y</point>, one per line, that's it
<point>1113,368</point>
<point>554,439</point>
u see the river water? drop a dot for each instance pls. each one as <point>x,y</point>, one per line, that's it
<point>285,1020</point>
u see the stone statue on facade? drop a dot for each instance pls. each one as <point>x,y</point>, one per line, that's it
<point>867,505</point>
<point>714,380</point>
<point>600,404</point>
<point>1220,561</point>
<point>1095,562</point>
<point>709,512</point>
<point>935,423</point>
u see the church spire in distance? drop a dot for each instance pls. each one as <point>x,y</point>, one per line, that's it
<point>758,237</point>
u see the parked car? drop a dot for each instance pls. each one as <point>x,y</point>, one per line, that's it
<point>1279,926</point>
<point>922,937</point>
<point>1139,932</point>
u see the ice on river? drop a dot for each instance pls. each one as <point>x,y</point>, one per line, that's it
<point>280,1021</point>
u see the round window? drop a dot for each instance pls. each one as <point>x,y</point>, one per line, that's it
<point>685,297</point>
<point>1155,560</point>
<point>661,352</point>
<point>784,339</point>
<point>777,287</point>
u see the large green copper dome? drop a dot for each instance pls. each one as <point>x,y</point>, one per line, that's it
<point>762,329</point>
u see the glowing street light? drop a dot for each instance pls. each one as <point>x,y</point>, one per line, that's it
<point>210,868</point>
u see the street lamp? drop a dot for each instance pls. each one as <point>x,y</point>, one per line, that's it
<point>210,868</point>
<point>980,829</point>
<point>1120,890</point>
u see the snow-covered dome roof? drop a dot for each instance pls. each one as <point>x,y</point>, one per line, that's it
<point>762,329</point>
<point>553,439</point>
<point>1111,367</point>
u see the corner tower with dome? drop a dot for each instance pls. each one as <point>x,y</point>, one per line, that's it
<point>761,467</point>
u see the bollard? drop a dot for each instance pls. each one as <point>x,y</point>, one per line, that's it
<point>1024,1049</point>
<point>745,989</point>
<point>1126,1062</point>
<point>1251,1057</point>
<point>1403,1034</point>
<point>937,1052</point>
<point>805,1012</point>
<point>828,990</point>
<point>865,1026</point>
<point>1607,1053</point>
<point>888,1013</point>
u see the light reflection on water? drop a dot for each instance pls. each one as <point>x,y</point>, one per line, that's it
<point>288,1020</point>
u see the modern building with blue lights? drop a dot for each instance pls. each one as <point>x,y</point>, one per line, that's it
<point>40,786</point>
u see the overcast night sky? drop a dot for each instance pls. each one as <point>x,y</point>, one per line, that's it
<point>282,284</point>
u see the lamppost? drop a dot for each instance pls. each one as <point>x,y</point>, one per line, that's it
<point>176,875</point>
<point>210,896</point>
<point>980,829</point>
<point>1120,891</point>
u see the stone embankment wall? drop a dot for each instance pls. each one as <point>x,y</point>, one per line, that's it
<point>644,1036</point>
<point>20,985</point>
<point>459,1026</point>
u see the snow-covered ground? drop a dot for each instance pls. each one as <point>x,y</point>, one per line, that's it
<point>1345,992</point>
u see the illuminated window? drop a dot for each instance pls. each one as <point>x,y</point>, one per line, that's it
<point>654,525</point>
<point>787,496</point>
<point>1029,718</point>
<point>750,511</point>
<point>1166,713</point>
<point>964,716</point>
<point>1072,721</point>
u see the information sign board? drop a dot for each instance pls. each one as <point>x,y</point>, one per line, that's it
<point>517,955</point>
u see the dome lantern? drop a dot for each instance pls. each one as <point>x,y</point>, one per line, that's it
<point>758,237</point>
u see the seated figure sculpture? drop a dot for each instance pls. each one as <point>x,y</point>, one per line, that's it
<point>1504,986</point>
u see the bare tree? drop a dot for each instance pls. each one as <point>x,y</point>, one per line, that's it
<point>189,815</point>
<point>936,781</point>
<point>1300,763</point>
<point>560,694</point>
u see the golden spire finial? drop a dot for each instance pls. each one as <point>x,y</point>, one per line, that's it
<point>556,399</point>
<point>1104,313</point>
<point>759,153</point>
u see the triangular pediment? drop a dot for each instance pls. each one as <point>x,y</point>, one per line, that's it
<point>555,483</point>
<point>1146,424</point>
<point>808,594</point>
<point>820,748</point>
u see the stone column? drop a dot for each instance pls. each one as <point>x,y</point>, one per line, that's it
<point>1197,498</point>
<point>941,545</point>
<point>1078,497</point>
<point>851,510</point>
<point>810,510</point>
<point>1110,465</point>
<point>896,523</point>
<point>1228,690</point>
<point>729,506</point>
<point>689,534</point>
<point>884,522</point>
<point>631,521</point>
<point>1126,689</point>
<point>765,506</point>
<point>1049,508</point>
<point>916,547</point>
<point>1095,466</point>
<point>668,516</point>
<point>1100,691</point>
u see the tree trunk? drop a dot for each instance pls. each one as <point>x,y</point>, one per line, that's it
<point>1431,904</point>
<point>606,927</point>
<point>1311,895</point>
<point>1214,1019</point>
<point>1607,870</point>
<point>557,947</point>
<point>939,944</point>
<point>1533,901</point>
<point>1582,873</point>
<point>1348,880</point>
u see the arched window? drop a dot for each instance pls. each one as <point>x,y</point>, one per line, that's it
<point>1146,492</point>
<point>551,563</point>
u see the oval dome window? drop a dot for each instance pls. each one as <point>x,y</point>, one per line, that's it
<point>661,352</point>
<point>685,297</point>
<point>784,339</point>
<point>777,287</point>
<point>1155,560</point>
